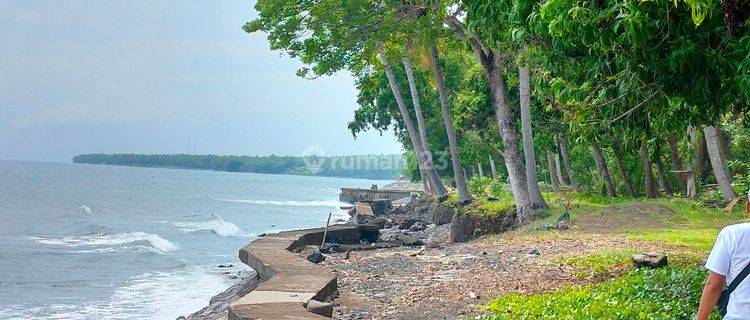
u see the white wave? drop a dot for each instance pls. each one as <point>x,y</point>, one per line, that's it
<point>153,295</point>
<point>111,241</point>
<point>216,225</point>
<point>84,209</point>
<point>290,203</point>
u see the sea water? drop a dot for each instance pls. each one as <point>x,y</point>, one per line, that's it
<point>104,242</point>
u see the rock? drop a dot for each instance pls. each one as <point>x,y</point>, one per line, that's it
<point>407,223</point>
<point>225,266</point>
<point>380,222</point>
<point>408,240</point>
<point>329,247</point>
<point>316,257</point>
<point>320,308</point>
<point>466,225</point>
<point>651,260</point>
<point>346,207</point>
<point>439,214</point>
<point>339,220</point>
<point>363,213</point>
<point>388,235</point>
<point>562,225</point>
<point>262,235</point>
<point>473,295</point>
<point>534,252</point>
<point>352,211</point>
<point>417,226</point>
<point>380,207</point>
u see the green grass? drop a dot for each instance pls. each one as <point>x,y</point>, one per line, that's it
<point>668,293</point>
<point>602,263</point>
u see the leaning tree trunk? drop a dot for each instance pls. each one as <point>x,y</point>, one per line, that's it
<point>493,67</point>
<point>562,140</point>
<point>702,164</point>
<point>663,183</point>
<point>718,163</point>
<point>552,170</point>
<point>528,140</point>
<point>492,167</point>
<point>481,171</point>
<point>692,191</point>
<point>416,141</point>
<point>437,185</point>
<point>558,170</point>
<point>463,192</point>
<point>601,165</point>
<point>617,150</point>
<point>677,167</point>
<point>648,181</point>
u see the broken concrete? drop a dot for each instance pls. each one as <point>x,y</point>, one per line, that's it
<point>289,282</point>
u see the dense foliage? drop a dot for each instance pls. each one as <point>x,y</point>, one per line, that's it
<point>366,166</point>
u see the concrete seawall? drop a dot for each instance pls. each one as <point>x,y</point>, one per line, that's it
<point>288,281</point>
<point>352,195</point>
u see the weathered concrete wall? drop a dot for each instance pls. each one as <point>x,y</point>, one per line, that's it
<point>289,281</point>
<point>352,195</point>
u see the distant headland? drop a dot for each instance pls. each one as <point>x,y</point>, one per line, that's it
<point>388,166</point>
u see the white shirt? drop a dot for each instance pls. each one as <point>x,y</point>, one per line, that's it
<point>730,255</point>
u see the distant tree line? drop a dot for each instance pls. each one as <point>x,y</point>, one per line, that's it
<point>389,166</point>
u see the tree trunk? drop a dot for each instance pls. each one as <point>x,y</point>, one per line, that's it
<point>416,141</point>
<point>463,192</point>
<point>437,184</point>
<point>532,183</point>
<point>493,67</point>
<point>601,165</point>
<point>676,160</point>
<point>718,163</point>
<point>466,176</point>
<point>702,164</point>
<point>617,150</point>
<point>481,171</point>
<point>563,142</point>
<point>558,170</point>
<point>648,172</point>
<point>552,170</point>
<point>492,167</point>
<point>691,185</point>
<point>663,183</point>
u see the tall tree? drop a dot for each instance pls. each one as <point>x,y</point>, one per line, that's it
<point>601,165</point>
<point>677,166</point>
<point>528,139</point>
<point>562,140</point>
<point>463,192</point>
<point>718,163</point>
<point>617,151</point>
<point>436,184</point>
<point>416,141</point>
<point>553,177</point>
<point>648,180</point>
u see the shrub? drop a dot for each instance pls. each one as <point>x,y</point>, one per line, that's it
<point>668,293</point>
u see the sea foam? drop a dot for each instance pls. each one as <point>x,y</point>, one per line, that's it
<point>215,224</point>
<point>290,203</point>
<point>113,242</point>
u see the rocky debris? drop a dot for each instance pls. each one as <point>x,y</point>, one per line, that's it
<point>346,207</point>
<point>380,222</point>
<point>329,247</point>
<point>467,226</point>
<point>403,185</point>
<point>407,223</point>
<point>417,226</point>
<point>316,257</point>
<point>650,260</point>
<point>320,308</point>
<point>380,207</point>
<point>401,202</point>
<point>439,214</point>
<point>368,246</point>
<point>363,213</point>
<point>408,240</point>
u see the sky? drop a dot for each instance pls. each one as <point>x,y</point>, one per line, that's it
<point>149,76</point>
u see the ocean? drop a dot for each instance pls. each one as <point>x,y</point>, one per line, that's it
<point>104,242</point>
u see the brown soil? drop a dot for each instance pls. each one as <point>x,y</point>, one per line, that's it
<point>451,281</point>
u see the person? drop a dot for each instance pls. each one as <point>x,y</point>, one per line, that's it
<point>729,256</point>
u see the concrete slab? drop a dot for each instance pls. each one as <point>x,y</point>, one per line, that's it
<point>260,296</point>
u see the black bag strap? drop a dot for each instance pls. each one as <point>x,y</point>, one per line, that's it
<point>736,282</point>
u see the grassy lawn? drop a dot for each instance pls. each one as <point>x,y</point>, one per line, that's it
<point>682,228</point>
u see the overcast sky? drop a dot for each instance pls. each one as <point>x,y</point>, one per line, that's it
<point>146,76</point>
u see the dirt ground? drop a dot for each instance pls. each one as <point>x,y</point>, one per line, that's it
<point>446,281</point>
